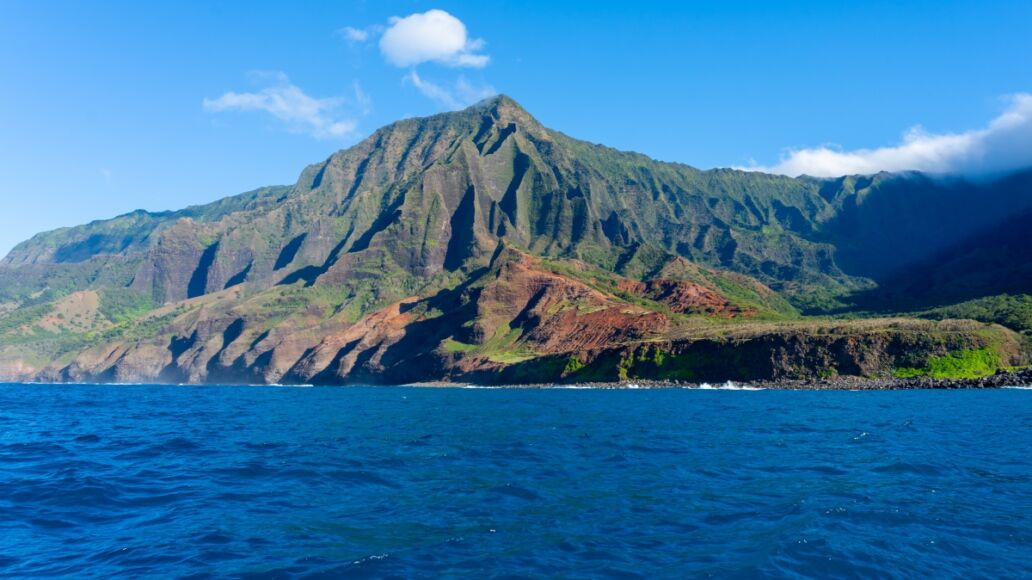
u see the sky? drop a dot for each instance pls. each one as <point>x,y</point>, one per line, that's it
<point>107,107</point>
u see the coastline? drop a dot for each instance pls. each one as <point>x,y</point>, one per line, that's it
<point>1018,378</point>
<point>1021,378</point>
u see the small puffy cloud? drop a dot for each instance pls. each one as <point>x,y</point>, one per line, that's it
<point>319,117</point>
<point>432,36</point>
<point>1005,144</point>
<point>457,96</point>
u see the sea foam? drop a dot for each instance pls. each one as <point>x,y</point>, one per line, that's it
<point>728,386</point>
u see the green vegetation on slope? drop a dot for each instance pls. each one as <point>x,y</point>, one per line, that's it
<point>1012,311</point>
<point>964,364</point>
<point>120,305</point>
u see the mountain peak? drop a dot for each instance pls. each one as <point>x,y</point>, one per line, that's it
<point>503,109</point>
<point>499,102</point>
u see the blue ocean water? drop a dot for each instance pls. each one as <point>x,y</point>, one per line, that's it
<point>167,481</point>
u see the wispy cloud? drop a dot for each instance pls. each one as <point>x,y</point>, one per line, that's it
<point>1004,144</point>
<point>354,34</point>
<point>362,100</point>
<point>319,117</point>
<point>432,36</point>
<point>459,95</point>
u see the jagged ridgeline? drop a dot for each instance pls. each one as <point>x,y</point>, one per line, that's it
<point>481,244</point>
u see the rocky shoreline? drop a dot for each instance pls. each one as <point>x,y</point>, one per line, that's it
<point>1001,379</point>
<point>1017,378</point>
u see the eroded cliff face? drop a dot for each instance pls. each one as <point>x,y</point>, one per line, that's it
<point>353,356</point>
<point>524,319</point>
<point>880,349</point>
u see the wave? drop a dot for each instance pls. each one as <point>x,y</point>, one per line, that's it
<point>728,386</point>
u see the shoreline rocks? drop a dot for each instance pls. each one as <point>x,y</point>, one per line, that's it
<point>1017,378</point>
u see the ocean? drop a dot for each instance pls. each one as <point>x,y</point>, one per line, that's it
<point>277,482</point>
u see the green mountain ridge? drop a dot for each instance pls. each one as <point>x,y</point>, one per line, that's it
<point>420,211</point>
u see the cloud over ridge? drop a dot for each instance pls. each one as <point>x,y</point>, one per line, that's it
<point>1004,144</point>
<point>459,96</point>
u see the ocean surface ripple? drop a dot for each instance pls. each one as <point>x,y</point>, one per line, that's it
<point>146,481</point>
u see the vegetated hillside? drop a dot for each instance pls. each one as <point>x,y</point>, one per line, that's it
<point>1012,311</point>
<point>476,243</point>
<point>108,253</point>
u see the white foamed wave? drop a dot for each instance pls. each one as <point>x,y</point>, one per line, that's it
<point>1020,388</point>
<point>728,386</point>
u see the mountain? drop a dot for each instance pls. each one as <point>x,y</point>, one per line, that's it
<point>480,245</point>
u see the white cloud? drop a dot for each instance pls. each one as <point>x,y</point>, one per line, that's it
<point>458,96</point>
<point>354,34</point>
<point>318,117</point>
<point>357,36</point>
<point>432,36</point>
<point>1005,144</point>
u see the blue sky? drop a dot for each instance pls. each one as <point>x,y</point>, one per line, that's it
<point>107,107</point>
